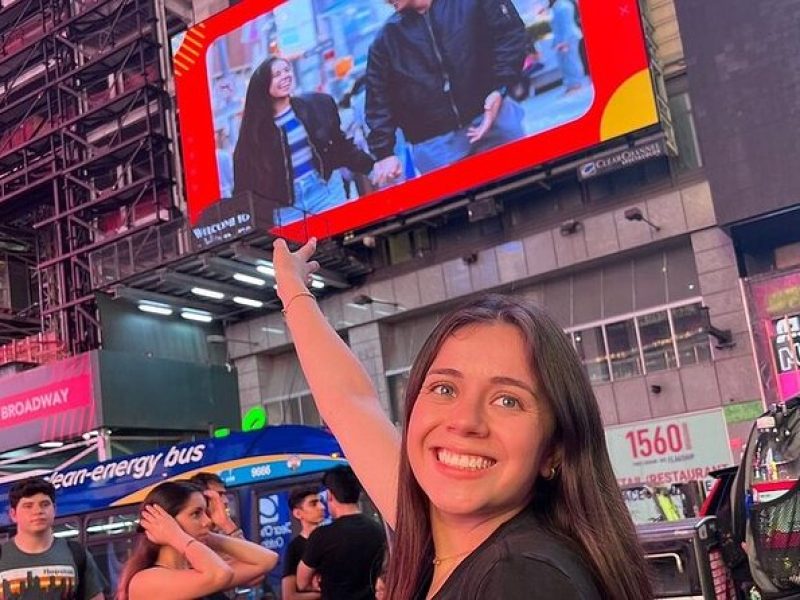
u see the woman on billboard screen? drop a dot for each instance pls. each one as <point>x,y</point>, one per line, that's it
<point>290,147</point>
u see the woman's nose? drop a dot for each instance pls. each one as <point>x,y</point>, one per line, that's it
<point>467,417</point>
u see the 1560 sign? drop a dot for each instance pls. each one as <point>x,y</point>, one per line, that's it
<point>669,450</point>
<point>659,440</point>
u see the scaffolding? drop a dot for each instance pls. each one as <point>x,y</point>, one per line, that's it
<point>85,154</point>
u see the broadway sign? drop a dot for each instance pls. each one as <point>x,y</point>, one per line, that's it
<point>54,401</point>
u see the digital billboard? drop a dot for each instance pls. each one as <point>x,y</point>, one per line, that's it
<point>329,115</point>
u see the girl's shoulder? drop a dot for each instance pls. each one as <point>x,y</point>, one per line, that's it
<point>150,572</point>
<point>314,100</point>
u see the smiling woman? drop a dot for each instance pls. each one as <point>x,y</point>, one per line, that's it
<point>474,435</point>
<point>504,486</point>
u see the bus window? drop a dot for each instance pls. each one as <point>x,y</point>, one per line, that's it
<point>110,538</point>
<point>115,524</point>
<point>66,528</point>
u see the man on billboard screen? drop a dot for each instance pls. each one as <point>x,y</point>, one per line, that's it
<point>440,72</point>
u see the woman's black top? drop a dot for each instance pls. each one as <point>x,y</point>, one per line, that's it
<point>519,561</point>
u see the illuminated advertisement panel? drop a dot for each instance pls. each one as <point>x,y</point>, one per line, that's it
<point>334,114</point>
<point>774,304</point>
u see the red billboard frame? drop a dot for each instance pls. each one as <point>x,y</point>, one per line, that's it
<point>624,102</point>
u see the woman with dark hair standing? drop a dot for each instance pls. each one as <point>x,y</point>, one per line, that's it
<point>291,147</point>
<point>504,488</point>
<point>177,556</point>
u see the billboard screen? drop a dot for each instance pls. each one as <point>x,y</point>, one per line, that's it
<point>334,114</point>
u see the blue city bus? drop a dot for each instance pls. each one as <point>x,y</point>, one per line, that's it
<point>97,504</point>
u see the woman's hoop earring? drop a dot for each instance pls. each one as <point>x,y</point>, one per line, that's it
<point>552,474</point>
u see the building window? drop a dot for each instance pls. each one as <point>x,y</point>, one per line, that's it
<point>397,383</point>
<point>623,349</point>
<point>680,107</point>
<point>690,337</point>
<point>308,411</point>
<point>658,348</point>
<point>646,342</point>
<point>591,346</point>
<point>296,410</point>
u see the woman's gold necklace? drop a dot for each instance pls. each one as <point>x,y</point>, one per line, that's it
<point>437,560</point>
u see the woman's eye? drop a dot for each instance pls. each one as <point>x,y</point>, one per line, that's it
<point>442,389</point>
<point>508,402</point>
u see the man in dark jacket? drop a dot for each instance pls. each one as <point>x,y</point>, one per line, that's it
<point>439,71</point>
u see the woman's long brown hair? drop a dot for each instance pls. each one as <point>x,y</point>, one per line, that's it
<point>583,503</point>
<point>172,496</point>
<point>250,169</point>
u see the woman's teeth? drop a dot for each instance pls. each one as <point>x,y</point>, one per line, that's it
<point>464,461</point>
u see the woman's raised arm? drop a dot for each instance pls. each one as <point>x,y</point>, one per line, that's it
<point>345,396</point>
<point>247,559</point>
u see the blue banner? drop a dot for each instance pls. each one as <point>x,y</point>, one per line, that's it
<point>242,458</point>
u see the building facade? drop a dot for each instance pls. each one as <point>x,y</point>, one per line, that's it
<point>640,268</point>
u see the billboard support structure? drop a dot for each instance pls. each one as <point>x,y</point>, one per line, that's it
<point>84,155</point>
<point>81,449</point>
<point>659,83</point>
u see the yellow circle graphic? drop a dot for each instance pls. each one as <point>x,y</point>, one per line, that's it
<point>631,107</point>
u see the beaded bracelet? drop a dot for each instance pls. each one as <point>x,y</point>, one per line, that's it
<point>295,297</point>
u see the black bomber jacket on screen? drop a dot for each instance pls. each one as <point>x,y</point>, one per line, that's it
<point>430,73</point>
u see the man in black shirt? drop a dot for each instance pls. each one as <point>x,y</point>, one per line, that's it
<point>348,553</point>
<point>307,508</point>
